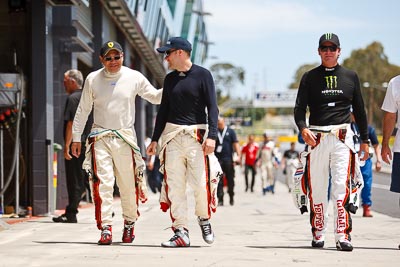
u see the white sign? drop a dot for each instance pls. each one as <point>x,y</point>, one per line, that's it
<point>285,99</point>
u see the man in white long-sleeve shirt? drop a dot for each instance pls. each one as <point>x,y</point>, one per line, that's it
<point>112,151</point>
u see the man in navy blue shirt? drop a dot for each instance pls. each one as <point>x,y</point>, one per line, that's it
<point>187,123</point>
<point>227,144</point>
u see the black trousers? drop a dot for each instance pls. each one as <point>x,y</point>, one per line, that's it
<point>229,172</point>
<point>251,168</point>
<point>77,180</point>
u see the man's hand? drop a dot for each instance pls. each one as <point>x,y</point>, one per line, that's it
<point>364,147</point>
<point>208,146</point>
<point>152,148</point>
<point>309,137</point>
<point>67,155</point>
<point>386,154</point>
<point>76,149</point>
<point>378,166</point>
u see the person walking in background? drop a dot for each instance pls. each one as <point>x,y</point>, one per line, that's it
<point>391,107</point>
<point>290,162</point>
<point>76,178</point>
<point>188,109</point>
<point>366,166</point>
<point>249,151</point>
<point>267,163</point>
<point>227,144</point>
<point>327,92</point>
<point>154,176</point>
<point>113,153</point>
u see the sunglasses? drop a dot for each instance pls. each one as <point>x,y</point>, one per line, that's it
<point>331,48</point>
<point>112,58</point>
<point>167,53</point>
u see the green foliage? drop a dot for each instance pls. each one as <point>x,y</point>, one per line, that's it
<point>374,70</point>
<point>255,113</point>
<point>299,73</point>
<point>225,76</point>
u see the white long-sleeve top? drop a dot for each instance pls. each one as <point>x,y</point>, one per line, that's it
<point>112,96</point>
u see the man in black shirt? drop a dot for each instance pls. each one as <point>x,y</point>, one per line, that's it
<point>328,91</point>
<point>227,144</point>
<point>188,109</point>
<point>76,177</point>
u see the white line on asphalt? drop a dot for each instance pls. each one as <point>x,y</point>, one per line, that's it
<point>381,186</point>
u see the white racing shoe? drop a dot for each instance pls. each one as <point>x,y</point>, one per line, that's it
<point>205,226</point>
<point>179,239</point>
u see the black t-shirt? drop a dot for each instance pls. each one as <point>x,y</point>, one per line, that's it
<point>186,95</point>
<point>227,145</point>
<point>71,106</point>
<point>329,93</point>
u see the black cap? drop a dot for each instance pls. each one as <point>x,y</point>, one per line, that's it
<point>329,37</point>
<point>176,43</point>
<point>108,46</point>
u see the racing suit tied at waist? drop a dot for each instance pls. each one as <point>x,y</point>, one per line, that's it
<point>127,135</point>
<point>343,133</point>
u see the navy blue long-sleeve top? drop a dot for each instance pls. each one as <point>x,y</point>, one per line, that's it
<point>188,98</point>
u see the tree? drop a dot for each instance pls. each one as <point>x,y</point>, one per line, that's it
<point>374,70</point>
<point>225,76</point>
<point>299,73</point>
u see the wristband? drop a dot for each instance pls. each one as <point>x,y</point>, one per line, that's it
<point>366,142</point>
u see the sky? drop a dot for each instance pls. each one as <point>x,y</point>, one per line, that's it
<point>271,39</point>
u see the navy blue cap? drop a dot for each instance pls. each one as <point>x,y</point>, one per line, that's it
<point>176,43</point>
<point>329,37</point>
<point>108,46</point>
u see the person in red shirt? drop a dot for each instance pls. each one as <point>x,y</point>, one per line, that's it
<point>250,151</point>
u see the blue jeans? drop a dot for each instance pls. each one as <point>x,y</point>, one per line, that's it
<point>366,171</point>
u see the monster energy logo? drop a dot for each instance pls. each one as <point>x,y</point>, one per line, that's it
<point>328,36</point>
<point>331,82</point>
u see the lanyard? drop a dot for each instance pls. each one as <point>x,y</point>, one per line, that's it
<point>221,136</point>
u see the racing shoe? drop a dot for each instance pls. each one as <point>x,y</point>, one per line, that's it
<point>128,235</point>
<point>179,239</point>
<point>205,226</point>
<point>317,243</point>
<point>106,235</point>
<point>344,245</point>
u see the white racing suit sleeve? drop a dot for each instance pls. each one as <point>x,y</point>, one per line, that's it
<point>126,135</point>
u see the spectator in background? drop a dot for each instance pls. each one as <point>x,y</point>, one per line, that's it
<point>366,168</point>
<point>154,176</point>
<point>290,161</point>
<point>76,177</point>
<point>227,143</point>
<point>249,151</point>
<point>266,161</point>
